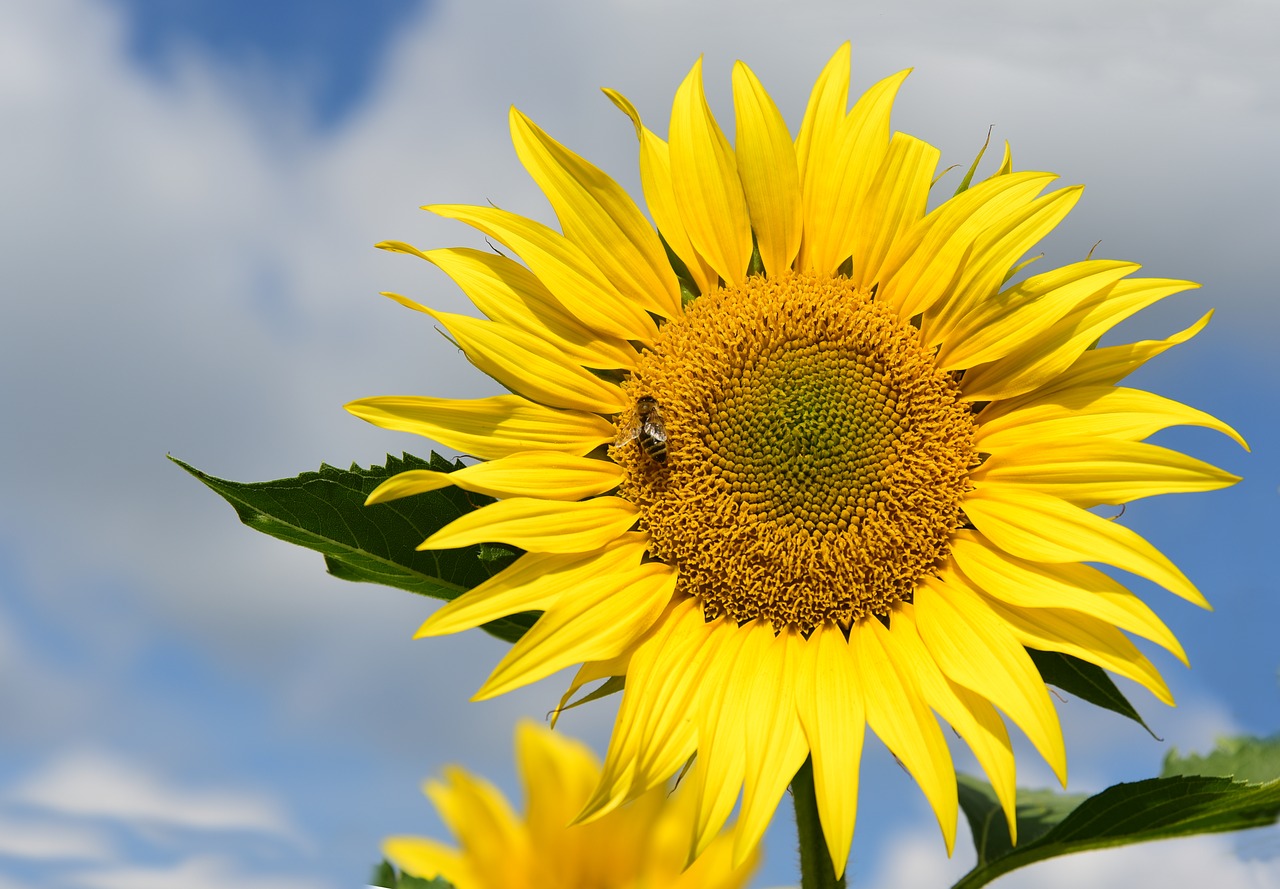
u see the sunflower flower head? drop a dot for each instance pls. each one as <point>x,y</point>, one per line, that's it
<point>643,845</point>
<point>801,456</point>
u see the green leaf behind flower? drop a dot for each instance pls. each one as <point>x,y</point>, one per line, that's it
<point>324,511</point>
<point>1178,804</point>
<point>385,877</point>
<point>1086,681</point>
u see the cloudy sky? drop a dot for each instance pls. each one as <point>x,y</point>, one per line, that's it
<point>189,195</point>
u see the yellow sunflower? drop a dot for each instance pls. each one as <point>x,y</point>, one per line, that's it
<point>641,846</point>
<point>803,458</point>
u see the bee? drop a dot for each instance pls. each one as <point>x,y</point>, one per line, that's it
<point>650,433</point>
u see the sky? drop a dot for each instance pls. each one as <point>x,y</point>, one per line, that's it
<point>189,196</point>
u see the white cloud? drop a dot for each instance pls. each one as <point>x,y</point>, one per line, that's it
<point>203,872</point>
<point>97,785</point>
<point>52,841</point>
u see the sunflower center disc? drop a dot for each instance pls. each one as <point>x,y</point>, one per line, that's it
<point>816,457</point>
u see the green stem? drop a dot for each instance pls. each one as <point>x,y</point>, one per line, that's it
<point>816,870</point>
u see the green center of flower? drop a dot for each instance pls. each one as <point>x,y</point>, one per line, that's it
<point>816,457</point>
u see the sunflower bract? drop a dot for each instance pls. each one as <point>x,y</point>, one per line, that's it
<point>882,450</point>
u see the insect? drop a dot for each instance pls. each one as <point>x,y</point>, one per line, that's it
<point>650,433</point>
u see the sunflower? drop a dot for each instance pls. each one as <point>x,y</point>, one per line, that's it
<point>802,456</point>
<point>640,846</point>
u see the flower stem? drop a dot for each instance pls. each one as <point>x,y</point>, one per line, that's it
<point>816,870</point>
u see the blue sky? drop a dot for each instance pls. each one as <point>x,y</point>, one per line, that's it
<point>192,191</point>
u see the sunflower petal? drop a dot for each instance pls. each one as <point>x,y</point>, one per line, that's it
<point>489,428</point>
<point>1102,411</point>
<point>970,714</point>
<point>509,293</point>
<point>830,702</point>
<point>653,733</point>
<point>976,649</point>
<point>1068,585</point>
<point>595,621</point>
<point>993,327</point>
<point>557,774</point>
<point>1110,364</point>
<point>775,749</point>
<point>563,268</point>
<point>600,218</point>
<point>724,711</point>
<point>531,366</point>
<point>704,179</point>
<point>898,714</point>
<point>541,526</point>
<point>478,815</point>
<point>546,474</point>
<point>766,161</point>
<point>533,582</point>
<point>659,195</point>
<point>1090,472</point>
<point>1083,637</point>
<point>928,259</point>
<point>840,176</point>
<point>425,858</point>
<point>1042,358</point>
<point>896,201</point>
<point>1044,528</point>
<point>994,251</point>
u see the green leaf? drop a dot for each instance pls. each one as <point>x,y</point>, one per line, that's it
<point>1256,760</point>
<point>1174,805</point>
<point>385,877</point>
<point>1086,681</point>
<point>1037,812</point>
<point>324,511</point>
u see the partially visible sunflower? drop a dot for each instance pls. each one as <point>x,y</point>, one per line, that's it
<point>871,486</point>
<point>644,845</point>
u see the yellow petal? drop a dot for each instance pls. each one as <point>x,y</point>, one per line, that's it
<point>598,216</point>
<point>558,774</point>
<point>770,176</point>
<point>970,714</point>
<point>1068,585</point>
<point>546,474</point>
<point>829,699</point>
<point>824,115</point>
<point>587,623</point>
<point>508,292</point>
<point>1110,364</point>
<point>927,261</point>
<point>724,712</point>
<point>1089,472</point>
<point>1043,357</point>
<point>653,734</point>
<point>541,526</point>
<point>775,747</point>
<point>563,268</point>
<point>836,185</point>
<point>659,195</point>
<point>425,858</point>
<point>1043,528</point>
<point>489,832</point>
<point>976,649</point>
<point>531,366</point>
<point>1083,637</point>
<point>895,202</point>
<point>993,327</point>
<point>533,582</point>
<point>704,178</point>
<point>1095,411</point>
<point>898,714</point>
<point>994,251</point>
